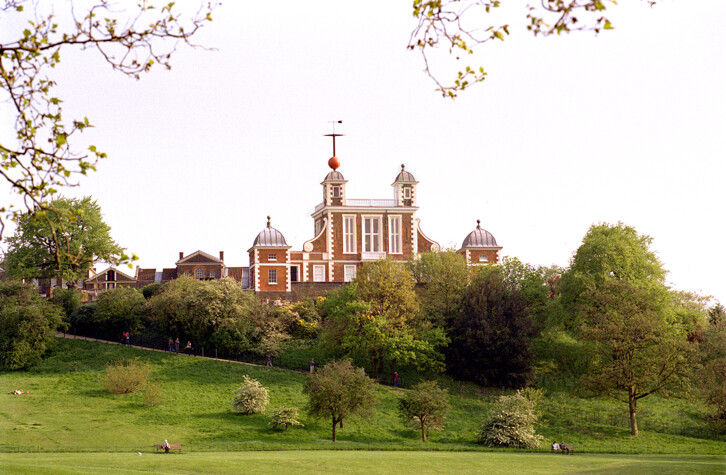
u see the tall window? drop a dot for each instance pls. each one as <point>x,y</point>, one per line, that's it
<point>349,234</point>
<point>394,234</point>
<point>407,193</point>
<point>272,276</point>
<point>318,273</point>
<point>272,257</point>
<point>350,272</point>
<point>212,274</point>
<point>293,273</point>
<point>336,191</point>
<point>199,273</point>
<point>372,234</point>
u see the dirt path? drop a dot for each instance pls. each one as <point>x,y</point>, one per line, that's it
<point>86,338</point>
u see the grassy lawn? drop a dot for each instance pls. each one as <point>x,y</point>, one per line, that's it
<point>358,462</point>
<point>66,410</point>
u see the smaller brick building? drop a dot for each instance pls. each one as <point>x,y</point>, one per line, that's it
<point>480,247</point>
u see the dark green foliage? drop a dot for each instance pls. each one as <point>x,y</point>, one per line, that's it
<point>491,341</point>
<point>150,290</point>
<point>119,310</point>
<point>28,323</point>
<point>69,300</point>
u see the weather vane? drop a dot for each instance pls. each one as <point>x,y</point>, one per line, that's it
<point>334,134</point>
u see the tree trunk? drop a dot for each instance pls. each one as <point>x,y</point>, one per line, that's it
<point>423,432</point>
<point>341,423</point>
<point>335,425</point>
<point>633,403</point>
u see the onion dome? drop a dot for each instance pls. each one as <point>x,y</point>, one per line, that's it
<point>405,176</point>
<point>479,238</point>
<point>270,237</point>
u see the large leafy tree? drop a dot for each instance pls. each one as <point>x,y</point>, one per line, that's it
<point>442,278</point>
<point>458,26</point>
<point>28,323</point>
<point>119,310</point>
<point>40,155</point>
<point>338,391</point>
<point>620,306</point>
<point>64,244</point>
<point>491,340</point>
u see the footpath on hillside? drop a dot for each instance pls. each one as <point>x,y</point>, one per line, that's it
<point>87,338</point>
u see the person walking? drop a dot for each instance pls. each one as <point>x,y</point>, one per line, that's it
<point>269,360</point>
<point>176,345</point>
<point>395,379</point>
<point>171,345</point>
<point>127,340</point>
<point>312,365</point>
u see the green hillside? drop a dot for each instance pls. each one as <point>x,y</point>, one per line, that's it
<point>66,409</point>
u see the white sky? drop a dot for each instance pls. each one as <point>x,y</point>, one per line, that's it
<point>566,132</point>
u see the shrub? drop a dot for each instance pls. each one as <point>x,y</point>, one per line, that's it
<point>152,395</point>
<point>511,423</point>
<point>252,397</point>
<point>285,417</point>
<point>126,376</point>
<point>28,323</point>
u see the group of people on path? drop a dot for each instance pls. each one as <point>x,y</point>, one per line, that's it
<point>174,346</point>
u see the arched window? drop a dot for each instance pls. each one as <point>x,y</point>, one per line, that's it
<point>199,273</point>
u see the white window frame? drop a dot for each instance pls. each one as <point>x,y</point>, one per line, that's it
<point>406,192</point>
<point>395,242</point>
<point>272,256</point>
<point>483,258</point>
<point>316,277</point>
<point>377,245</point>
<point>272,276</point>
<point>337,191</point>
<point>318,226</point>
<point>299,276</point>
<point>349,272</point>
<point>199,273</point>
<point>349,234</point>
<point>212,274</point>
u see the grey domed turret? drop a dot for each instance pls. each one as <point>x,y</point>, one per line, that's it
<point>270,237</point>
<point>479,238</point>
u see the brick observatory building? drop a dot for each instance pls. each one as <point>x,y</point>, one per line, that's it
<point>350,232</point>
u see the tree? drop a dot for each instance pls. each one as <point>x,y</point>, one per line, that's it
<point>426,406</point>
<point>63,245</point>
<point>353,330</point>
<point>620,305</point>
<point>389,288</point>
<point>455,24</point>
<point>491,341</point>
<point>511,422</point>
<point>442,278</point>
<point>28,323</point>
<point>119,310</point>
<point>251,397</point>
<point>338,391</point>
<point>42,155</point>
<point>285,417</point>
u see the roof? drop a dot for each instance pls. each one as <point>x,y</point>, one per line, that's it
<point>270,237</point>
<point>479,238</point>
<point>199,257</point>
<point>146,274</point>
<point>405,176</point>
<point>120,276</point>
<point>335,175</point>
<point>168,274</point>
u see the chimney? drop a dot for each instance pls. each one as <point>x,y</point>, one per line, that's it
<point>181,255</point>
<point>221,255</point>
